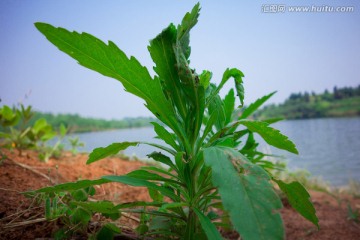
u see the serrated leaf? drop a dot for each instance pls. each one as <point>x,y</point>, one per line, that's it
<point>141,183</point>
<point>237,75</point>
<point>103,152</point>
<point>255,105</point>
<point>247,196</point>
<point>162,53</point>
<point>205,78</point>
<point>165,135</point>
<point>271,135</point>
<point>217,105</point>
<point>188,22</point>
<point>71,186</point>
<point>208,227</point>
<point>109,60</point>
<point>299,199</point>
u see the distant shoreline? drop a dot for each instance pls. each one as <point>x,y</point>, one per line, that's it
<point>344,102</point>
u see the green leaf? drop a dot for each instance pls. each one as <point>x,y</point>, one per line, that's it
<point>8,117</point>
<point>299,199</point>
<point>141,183</point>
<point>159,157</point>
<point>99,207</point>
<point>142,229</point>
<point>80,215</point>
<point>218,106</point>
<point>162,53</point>
<point>79,195</point>
<point>237,75</point>
<point>109,60</point>
<point>48,213</point>
<point>229,104</point>
<point>208,227</point>
<point>209,126</point>
<point>155,195</point>
<point>250,144</point>
<point>7,113</point>
<point>39,125</point>
<point>143,174</point>
<point>205,78</point>
<point>188,22</point>
<point>248,196</point>
<point>173,205</point>
<point>169,150</point>
<point>100,153</point>
<point>255,105</point>
<point>159,222</point>
<point>138,204</point>
<point>72,186</point>
<point>63,130</point>
<point>271,135</point>
<point>272,120</point>
<point>107,232</point>
<point>165,135</point>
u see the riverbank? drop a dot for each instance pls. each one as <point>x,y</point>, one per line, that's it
<point>18,215</point>
<point>312,107</point>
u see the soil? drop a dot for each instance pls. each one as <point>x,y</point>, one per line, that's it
<point>22,218</point>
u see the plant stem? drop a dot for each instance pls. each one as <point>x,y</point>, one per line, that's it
<point>191,225</point>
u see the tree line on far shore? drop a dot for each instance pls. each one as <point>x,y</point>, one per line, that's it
<point>340,102</point>
<point>77,123</point>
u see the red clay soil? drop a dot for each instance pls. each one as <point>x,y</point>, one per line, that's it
<point>26,172</point>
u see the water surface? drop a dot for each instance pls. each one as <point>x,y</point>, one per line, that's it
<point>328,147</point>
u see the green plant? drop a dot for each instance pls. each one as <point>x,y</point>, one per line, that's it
<point>353,214</point>
<point>75,144</point>
<point>74,212</point>
<point>15,137</point>
<point>47,151</point>
<point>212,159</point>
<point>19,134</point>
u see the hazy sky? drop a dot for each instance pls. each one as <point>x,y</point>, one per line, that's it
<point>287,51</point>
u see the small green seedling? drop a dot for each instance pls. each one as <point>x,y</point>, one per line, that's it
<point>47,151</point>
<point>74,211</point>
<point>353,215</point>
<point>18,134</point>
<point>212,162</point>
<point>75,144</point>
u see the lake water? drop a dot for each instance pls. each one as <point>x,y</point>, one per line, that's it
<point>328,147</point>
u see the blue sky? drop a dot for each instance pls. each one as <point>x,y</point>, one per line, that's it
<point>287,52</point>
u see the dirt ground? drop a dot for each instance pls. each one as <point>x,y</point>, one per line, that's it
<point>21,218</point>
